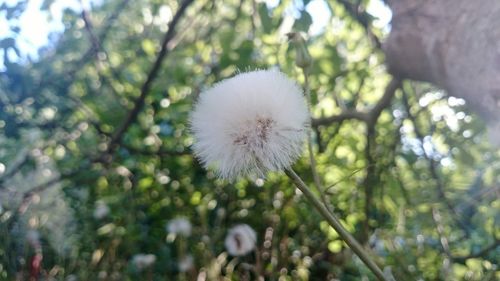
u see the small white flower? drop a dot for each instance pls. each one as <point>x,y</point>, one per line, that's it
<point>101,210</point>
<point>33,238</point>
<point>179,226</point>
<point>388,273</point>
<point>376,243</point>
<point>250,124</point>
<point>186,263</point>
<point>102,275</point>
<point>240,240</point>
<point>71,277</point>
<point>399,242</point>
<point>143,261</point>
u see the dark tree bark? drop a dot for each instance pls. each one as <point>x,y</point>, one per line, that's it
<point>454,44</point>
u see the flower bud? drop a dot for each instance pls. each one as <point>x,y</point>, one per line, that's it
<point>302,57</point>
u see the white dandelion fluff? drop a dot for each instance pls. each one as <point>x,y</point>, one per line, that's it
<point>249,124</point>
<point>143,261</point>
<point>101,210</point>
<point>186,263</point>
<point>240,240</point>
<point>179,226</point>
<point>33,238</point>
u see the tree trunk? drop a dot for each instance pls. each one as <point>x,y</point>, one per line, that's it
<point>454,44</point>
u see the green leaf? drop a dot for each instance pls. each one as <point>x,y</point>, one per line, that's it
<point>148,47</point>
<point>145,183</point>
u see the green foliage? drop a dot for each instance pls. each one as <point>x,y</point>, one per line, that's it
<point>59,114</point>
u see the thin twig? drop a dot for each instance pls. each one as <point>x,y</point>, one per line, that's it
<point>480,253</point>
<point>12,171</point>
<point>312,160</point>
<point>159,152</point>
<point>436,216</point>
<point>372,177</point>
<point>327,189</point>
<point>345,115</point>
<point>370,180</point>
<point>99,48</point>
<point>85,58</point>
<point>368,117</point>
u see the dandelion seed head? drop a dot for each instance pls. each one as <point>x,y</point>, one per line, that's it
<point>101,210</point>
<point>186,263</point>
<point>179,226</point>
<point>143,261</point>
<point>250,124</point>
<point>240,240</point>
<point>33,238</point>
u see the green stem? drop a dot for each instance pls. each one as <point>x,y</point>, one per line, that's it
<point>307,91</point>
<point>336,224</point>
<point>312,160</point>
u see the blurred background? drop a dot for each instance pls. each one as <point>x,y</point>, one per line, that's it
<point>97,180</point>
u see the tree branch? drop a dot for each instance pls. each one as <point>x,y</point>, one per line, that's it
<point>433,169</point>
<point>131,117</point>
<point>99,48</point>
<point>370,118</point>
<point>14,169</point>
<point>84,59</point>
<point>160,152</point>
<point>385,101</point>
<point>358,13</point>
<point>346,115</point>
<point>480,253</point>
<point>367,117</point>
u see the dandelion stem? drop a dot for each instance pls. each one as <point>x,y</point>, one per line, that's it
<point>336,224</point>
<point>312,160</point>
<point>307,90</point>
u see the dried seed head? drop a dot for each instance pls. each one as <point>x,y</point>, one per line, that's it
<point>250,124</point>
